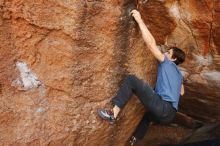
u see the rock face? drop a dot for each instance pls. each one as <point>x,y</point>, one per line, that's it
<point>197,31</point>
<point>61,60</point>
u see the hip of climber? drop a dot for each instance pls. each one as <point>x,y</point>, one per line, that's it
<point>162,102</point>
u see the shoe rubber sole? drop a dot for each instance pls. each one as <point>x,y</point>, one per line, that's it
<point>99,111</point>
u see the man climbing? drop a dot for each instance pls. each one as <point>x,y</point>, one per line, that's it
<point>162,103</point>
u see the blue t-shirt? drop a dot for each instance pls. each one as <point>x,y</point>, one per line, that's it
<point>169,81</point>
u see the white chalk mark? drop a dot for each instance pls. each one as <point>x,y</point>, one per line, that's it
<point>40,110</point>
<point>27,79</point>
<point>203,60</point>
<point>212,75</point>
<point>175,10</point>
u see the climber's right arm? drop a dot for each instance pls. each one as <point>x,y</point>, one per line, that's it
<point>147,36</point>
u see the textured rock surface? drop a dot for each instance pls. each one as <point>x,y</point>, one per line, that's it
<point>74,54</point>
<point>197,32</point>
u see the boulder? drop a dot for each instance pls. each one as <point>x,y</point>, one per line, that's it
<point>61,60</point>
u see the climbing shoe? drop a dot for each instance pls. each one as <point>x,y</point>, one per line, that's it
<point>107,115</point>
<point>132,140</point>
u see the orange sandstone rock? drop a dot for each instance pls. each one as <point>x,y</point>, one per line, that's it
<point>78,52</point>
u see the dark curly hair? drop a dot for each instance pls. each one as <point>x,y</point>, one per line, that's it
<point>179,55</point>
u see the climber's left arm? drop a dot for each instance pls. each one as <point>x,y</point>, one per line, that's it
<point>182,90</point>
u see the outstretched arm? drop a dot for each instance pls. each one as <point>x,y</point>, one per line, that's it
<point>147,36</point>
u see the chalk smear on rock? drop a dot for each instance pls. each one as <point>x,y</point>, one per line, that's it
<point>27,79</point>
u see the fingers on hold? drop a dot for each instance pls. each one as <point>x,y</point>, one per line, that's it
<point>133,14</point>
<point>132,11</point>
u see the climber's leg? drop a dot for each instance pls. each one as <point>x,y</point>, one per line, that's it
<point>130,85</point>
<point>143,125</point>
<point>143,91</point>
<point>141,128</point>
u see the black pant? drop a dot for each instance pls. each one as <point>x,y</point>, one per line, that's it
<point>159,110</point>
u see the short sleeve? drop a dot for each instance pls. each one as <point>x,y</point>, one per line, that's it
<point>166,60</point>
